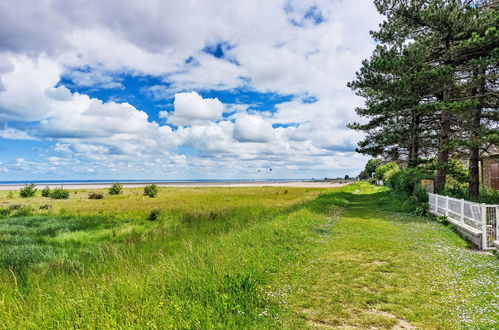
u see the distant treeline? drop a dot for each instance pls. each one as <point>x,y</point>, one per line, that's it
<point>431,85</point>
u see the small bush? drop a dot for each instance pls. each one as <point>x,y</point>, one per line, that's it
<point>29,190</point>
<point>116,189</point>
<point>151,190</point>
<point>443,219</point>
<point>45,207</point>
<point>423,209</point>
<point>95,195</point>
<point>154,215</point>
<point>406,180</point>
<point>14,207</point>
<point>59,193</point>
<point>369,169</point>
<point>421,194</point>
<point>5,212</point>
<point>46,192</point>
<point>23,211</point>
<point>386,171</point>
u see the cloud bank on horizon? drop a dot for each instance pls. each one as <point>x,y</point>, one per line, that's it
<point>180,89</point>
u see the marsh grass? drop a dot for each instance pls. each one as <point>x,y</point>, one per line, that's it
<point>203,263</point>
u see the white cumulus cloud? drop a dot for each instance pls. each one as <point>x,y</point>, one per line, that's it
<point>192,109</point>
<point>252,128</point>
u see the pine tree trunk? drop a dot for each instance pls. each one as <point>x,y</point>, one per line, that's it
<point>414,146</point>
<point>443,152</point>
<point>474,172</point>
<point>445,125</point>
<point>474,168</point>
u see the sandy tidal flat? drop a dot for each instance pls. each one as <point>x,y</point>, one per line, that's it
<point>297,184</point>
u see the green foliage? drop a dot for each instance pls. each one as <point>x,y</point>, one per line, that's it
<point>151,190</point>
<point>5,212</point>
<point>407,184</point>
<point>421,194</point>
<point>95,195</point>
<point>457,171</point>
<point>59,193</point>
<point>116,189</point>
<point>386,171</point>
<point>28,190</point>
<point>22,211</point>
<point>423,209</point>
<point>370,168</point>
<point>154,215</point>
<point>406,180</point>
<point>414,104</point>
<point>456,190</point>
<point>46,191</point>
<point>443,219</point>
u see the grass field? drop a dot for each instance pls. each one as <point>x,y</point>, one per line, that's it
<point>239,258</point>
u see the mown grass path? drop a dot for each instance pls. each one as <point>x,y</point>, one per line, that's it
<point>378,268</point>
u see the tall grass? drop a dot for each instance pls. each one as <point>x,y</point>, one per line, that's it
<point>194,267</point>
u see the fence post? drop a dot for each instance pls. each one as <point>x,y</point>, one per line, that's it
<point>446,206</point>
<point>462,210</point>
<point>497,224</point>
<point>484,226</point>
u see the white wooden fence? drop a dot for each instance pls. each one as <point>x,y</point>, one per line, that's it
<point>479,222</point>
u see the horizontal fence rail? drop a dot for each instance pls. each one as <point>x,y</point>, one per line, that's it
<point>478,220</point>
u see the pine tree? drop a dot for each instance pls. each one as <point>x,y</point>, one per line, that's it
<point>477,59</point>
<point>431,86</point>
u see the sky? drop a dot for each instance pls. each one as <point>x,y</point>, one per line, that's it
<point>180,89</point>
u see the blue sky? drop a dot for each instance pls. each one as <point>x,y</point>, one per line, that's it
<point>180,89</point>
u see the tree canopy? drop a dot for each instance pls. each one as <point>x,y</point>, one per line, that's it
<point>431,85</point>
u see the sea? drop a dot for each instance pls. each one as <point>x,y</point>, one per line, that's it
<point>142,181</point>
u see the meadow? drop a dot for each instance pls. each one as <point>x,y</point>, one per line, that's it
<point>261,257</point>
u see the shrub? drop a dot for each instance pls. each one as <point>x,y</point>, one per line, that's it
<point>4,212</point>
<point>116,189</point>
<point>29,190</point>
<point>14,207</point>
<point>456,170</point>
<point>458,190</point>
<point>455,189</point>
<point>46,207</point>
<point>23,211</point>
<point>95,195</point>
<point>443,219</point>
<point>385,171</point>
<point>370,168</point>
<point>151,190</point>
<point>421,194</point>
<point>59,193</point>
<point>154,215</point>
<point>46,191</point>
<point>406,180</point>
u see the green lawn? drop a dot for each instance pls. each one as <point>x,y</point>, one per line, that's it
<point>240,258</point>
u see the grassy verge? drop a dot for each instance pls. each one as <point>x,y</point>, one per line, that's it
<point>241,258</point>
<point>382,268</point>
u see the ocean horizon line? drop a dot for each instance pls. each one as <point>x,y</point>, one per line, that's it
<point>76,181</point>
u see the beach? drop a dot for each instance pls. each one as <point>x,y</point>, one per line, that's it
<point>104,185</point>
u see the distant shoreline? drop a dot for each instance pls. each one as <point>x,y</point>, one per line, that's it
<point>180,184</point>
